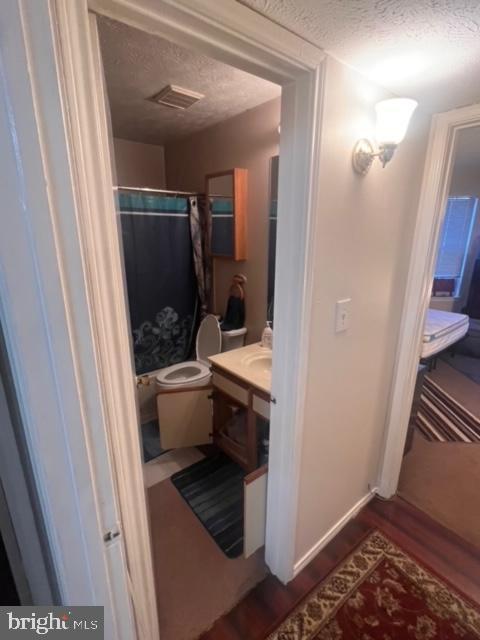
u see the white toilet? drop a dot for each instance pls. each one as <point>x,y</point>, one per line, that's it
<point>233,339</point>
<point>210,341</point>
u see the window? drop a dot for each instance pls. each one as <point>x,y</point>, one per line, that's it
<point>454,242</point>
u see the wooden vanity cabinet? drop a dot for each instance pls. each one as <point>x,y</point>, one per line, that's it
<point>239,409</point>
<point>229,415</point>
<point>241,415</point>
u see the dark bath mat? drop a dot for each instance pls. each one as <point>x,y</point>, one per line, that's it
<point>213,488</point>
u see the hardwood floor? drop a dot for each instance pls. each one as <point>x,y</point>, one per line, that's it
<point>441,550</point>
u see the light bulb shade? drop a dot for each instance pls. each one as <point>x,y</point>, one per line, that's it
<point>393,117</point>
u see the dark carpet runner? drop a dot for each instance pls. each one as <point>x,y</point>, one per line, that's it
<point>440,418</point>
<point>213,488</point>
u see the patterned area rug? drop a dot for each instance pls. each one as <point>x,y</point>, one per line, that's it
<point>380,593</point>
<point>441,418</point>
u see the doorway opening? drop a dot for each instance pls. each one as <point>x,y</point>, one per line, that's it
<point>195,149</point>
<point>253,44</point>
<point>441,465</point>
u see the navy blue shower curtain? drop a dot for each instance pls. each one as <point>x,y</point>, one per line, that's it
<point>161,282</point>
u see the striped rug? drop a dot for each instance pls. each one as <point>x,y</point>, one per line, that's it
<point>441,418</point>
<point>213,488</point>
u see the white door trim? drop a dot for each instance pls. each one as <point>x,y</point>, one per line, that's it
<point>77,277</point>
<point>234,34</point>
<point>77,53</point>
<point>45,318</point>
<point>431,210</point>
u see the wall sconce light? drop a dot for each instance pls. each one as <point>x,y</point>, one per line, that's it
<point>393,117</point>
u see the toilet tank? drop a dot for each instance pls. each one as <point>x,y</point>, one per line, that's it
<point>233,339</point>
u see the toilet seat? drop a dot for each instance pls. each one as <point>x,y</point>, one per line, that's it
<point>195,372</point>
<point>184,374</point>
<point>209,339</point>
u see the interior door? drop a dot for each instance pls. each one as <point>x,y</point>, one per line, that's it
<point>185,417</point>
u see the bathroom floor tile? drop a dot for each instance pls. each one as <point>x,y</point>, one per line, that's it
<point>169,463</point>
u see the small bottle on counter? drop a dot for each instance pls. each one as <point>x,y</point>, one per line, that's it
<point>267,336</point>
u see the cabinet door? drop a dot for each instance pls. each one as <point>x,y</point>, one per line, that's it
<point>227,200</point>
<point>185,417</point>
<point>230,427</point>
<point>255,510</point>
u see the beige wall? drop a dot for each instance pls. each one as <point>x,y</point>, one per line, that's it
<point>246,141</point>
<point>442,303</point>
<point>363,242</point>
<point>138,164</point>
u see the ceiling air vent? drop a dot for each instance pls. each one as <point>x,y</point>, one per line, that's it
<point>177,97</point>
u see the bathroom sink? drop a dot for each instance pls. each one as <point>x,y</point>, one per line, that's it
<point>259,362</point>
<point>252,364</point>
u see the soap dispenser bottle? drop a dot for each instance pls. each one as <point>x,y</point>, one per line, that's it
<point>267,336</point>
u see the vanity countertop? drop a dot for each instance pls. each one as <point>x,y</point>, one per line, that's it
<point>252,364</point>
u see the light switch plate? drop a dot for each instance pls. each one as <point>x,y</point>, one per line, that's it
<point>342,315</point>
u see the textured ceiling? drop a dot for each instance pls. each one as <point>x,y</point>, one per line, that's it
<point>425,49</point>
<point>138,65</point>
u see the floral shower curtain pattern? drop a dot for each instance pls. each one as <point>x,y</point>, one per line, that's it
<point>201,232</point>
<point>161,278</point>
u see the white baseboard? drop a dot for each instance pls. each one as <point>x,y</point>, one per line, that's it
<point>332,532</point>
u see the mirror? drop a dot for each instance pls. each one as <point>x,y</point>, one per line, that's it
<point>272,234</point>
<point>227,196</point>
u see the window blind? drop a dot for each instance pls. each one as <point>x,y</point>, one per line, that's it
<point>455,237</point>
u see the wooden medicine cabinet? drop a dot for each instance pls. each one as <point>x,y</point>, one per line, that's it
<point>227,197</point>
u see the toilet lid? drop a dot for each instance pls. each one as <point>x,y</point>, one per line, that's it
<point>209,338</point>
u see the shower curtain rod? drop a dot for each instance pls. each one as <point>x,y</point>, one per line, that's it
<point>178,193</point>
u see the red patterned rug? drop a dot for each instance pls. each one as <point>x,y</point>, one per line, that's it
<point>381,593</point>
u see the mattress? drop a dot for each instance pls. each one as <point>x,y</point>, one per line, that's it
<point>442,329</point>
<point>441,323</point>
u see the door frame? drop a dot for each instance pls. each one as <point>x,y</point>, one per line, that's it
<point>76,277</point>
<point>430,215</point>
<point>47,328</point>
<point>234,35</point>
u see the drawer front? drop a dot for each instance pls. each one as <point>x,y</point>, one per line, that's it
<point>261,406</point>
<point>230,388</point>
<point>255,510</point>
